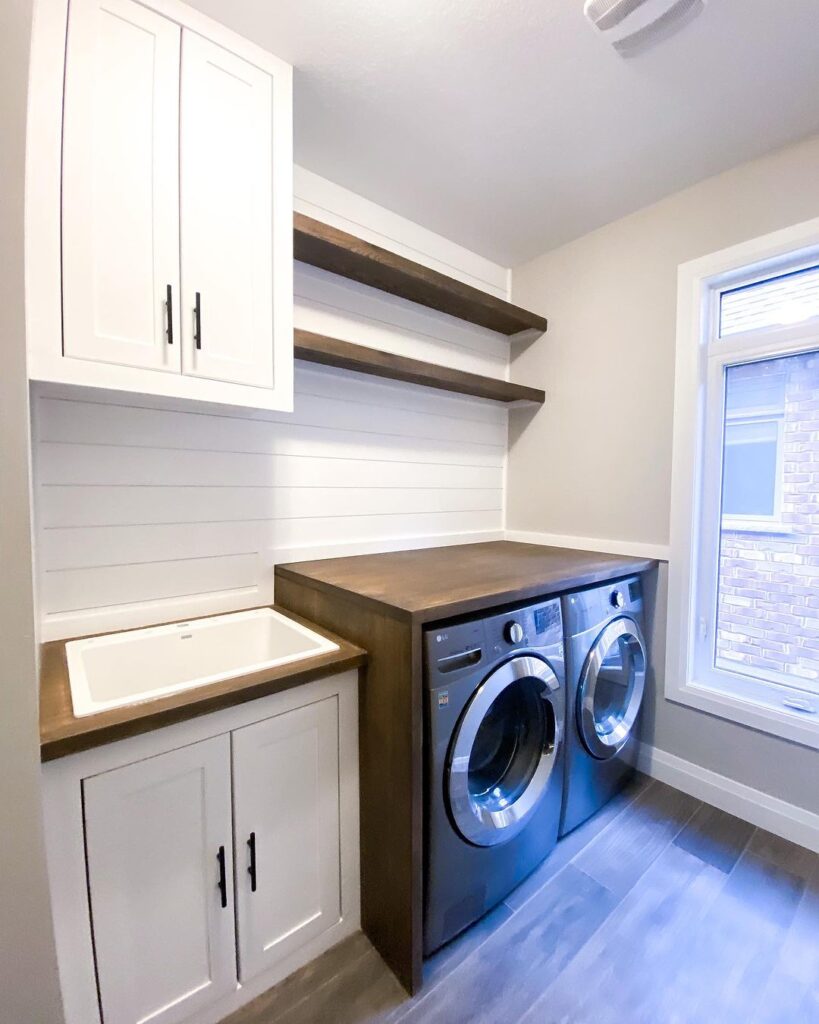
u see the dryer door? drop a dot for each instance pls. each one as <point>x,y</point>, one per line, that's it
<point>611,688</point>
<point>503,751</point>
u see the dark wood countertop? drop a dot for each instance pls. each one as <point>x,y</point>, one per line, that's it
<point>435,583</point>
<point>61,733</point>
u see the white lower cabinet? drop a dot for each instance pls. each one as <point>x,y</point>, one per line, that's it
<point>285,775</point>
<point>188,880</point>
<point>158,840</point>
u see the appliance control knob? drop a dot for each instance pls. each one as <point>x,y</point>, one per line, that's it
<point>617,599</point>
<point>513,631</point>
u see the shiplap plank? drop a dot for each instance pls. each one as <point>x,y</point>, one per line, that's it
<point>125,584</point>
<point>66,548</point>
<point>64,463</point>
<point>153,428</point>
<point>103,505</point>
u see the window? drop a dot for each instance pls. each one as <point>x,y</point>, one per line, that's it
<point>784,299</point>
<point>744,569</point>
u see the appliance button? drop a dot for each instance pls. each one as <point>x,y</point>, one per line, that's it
<point>617,599</point>
<point>513,631</point>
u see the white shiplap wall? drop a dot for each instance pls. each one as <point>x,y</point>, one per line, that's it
<point>146,512</point>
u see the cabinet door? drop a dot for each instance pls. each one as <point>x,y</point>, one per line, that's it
<point>226,157</point>
<point>286,793</point>
<point>120,206</point>
<point>157,834</point>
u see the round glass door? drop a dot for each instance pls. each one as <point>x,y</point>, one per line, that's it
<point>503,751</point>
<point>611,688</point>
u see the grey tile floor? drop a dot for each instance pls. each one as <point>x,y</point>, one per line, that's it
<point>660,910</point>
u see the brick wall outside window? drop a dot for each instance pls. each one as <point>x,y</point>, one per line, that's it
<point>768,604</point>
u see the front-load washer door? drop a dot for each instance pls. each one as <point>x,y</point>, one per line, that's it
<point>503,751</point>
<point>611,688</point>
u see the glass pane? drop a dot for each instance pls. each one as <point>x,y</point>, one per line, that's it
<point>768,587</point>
<point>749,471</point>
<point>613,690</point>
<point>508,745</point>
<point>787,299</point>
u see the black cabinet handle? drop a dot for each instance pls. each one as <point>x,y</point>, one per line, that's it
<point>197,321</point>
<point>251,845</point>
<point>220,857</point>
<point>169,308</point>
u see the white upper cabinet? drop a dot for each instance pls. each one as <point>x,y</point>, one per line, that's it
<point>286,787</point>
<point>226,199</point>
<point>121,185</point>
<point>173,191</point>
<point>160,875</point>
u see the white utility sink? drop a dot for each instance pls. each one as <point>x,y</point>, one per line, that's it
<point>142,664</point>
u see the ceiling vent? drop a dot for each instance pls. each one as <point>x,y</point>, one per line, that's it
<point>632,26</point>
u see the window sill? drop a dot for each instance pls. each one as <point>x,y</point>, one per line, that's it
<point>795,726</point>
<point>750,525</point>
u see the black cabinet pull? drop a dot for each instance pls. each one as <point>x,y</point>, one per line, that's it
<point>220,857</point>
<point>197,321</point>
<point>169,308</point>
<point>251,845</point>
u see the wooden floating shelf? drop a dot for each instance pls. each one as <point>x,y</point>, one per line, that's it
<point>317,348</point>
<point>341,253</point>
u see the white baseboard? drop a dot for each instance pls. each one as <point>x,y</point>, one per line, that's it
<point>636,549</point>
<point>769,812</point>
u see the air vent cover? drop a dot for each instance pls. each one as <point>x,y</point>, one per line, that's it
<point>633,26</point>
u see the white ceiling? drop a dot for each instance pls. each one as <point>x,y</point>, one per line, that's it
<point>511,126</point>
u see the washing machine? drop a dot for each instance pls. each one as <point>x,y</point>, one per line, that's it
<point>606,660</point>
<point>494,722</point>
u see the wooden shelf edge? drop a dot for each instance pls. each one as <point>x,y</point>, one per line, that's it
<point>318,348</point>
<point>341,253</point>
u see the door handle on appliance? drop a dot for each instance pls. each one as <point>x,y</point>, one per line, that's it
<point>197,321</point>
<point>222,886</point>
<point>251,845</point>
<point>169,308</point>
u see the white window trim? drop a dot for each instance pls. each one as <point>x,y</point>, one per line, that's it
<point>697,436</point>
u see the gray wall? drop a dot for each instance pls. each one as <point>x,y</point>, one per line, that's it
<point>29,991</point>
<point>595,461</point>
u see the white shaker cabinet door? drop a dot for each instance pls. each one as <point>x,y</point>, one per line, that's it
<point>286,812</point>
<point>120,202</point>
<point>226,153</point>
<point>160,875</point>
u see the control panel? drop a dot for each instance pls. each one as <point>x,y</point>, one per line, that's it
<point>450,648</point>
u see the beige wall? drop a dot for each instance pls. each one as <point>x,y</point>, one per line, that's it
<point>29,992</point>
<point>595,461</point>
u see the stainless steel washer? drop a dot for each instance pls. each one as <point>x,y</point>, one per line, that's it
<point>606,660</point>
<point>495,714</point>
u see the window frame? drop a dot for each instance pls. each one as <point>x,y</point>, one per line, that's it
<point>702,358</point>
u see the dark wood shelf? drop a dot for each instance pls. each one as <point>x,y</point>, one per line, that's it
<point>317,348</point>
<point>341,253</point>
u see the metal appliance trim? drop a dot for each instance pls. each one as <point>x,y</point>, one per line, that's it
<point>610,745</point>
<point>476,824</point>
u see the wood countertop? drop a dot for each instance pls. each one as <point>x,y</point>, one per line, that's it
<point>61,733</point>
<point>435,583</point>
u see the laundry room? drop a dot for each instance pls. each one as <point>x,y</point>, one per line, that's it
<point>409,473</point>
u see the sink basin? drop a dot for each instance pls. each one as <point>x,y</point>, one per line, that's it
<point>142,664</point>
